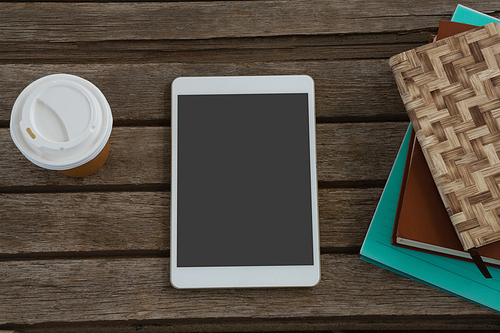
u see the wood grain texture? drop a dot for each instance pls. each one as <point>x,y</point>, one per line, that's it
<point>60,22</point>
<point>141,156</point>
<point>138,155</point>
<point>222,50</point>
<point>345,215</point>
<point>91,254</point>
<point>140,93</point>
<point>364,151</point>
<point>79,222</point>
<point>138,289</point>
<point>121,222</point>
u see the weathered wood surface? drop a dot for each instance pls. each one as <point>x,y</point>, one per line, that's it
<point>282,48</point>
<point>141,156</point>
<point>141,92</point>
<point>205,20</point>
<point>131,222</point>
<point>139,289</point>
<point>92,254</point>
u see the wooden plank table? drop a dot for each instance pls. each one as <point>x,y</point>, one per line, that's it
<point>92,254</point>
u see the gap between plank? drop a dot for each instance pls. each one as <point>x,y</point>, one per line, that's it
<point>115,254</point>
<point>347,46</point>
<point>87,188</point>
<point>355,184</point>
<point>129,254</point>
<point>353,324</point>
<point>358,184</point>
<point>319,120</point>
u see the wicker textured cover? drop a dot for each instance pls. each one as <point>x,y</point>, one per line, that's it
<point>451,90</point>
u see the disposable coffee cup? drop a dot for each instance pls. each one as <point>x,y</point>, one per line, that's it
<point>63,122</point>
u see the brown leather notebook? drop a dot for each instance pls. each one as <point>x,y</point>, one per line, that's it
<point>422,222</point>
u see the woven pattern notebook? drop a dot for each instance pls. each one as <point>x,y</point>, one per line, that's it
<point>451,91</point>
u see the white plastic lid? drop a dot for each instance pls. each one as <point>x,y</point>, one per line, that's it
<point>61,121</point>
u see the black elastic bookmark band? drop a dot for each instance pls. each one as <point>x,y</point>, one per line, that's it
<point>479,263</point>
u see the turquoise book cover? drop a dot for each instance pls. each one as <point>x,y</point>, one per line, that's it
<point>467,15</point>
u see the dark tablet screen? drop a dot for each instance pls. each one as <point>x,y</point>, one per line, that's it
<point>244,181</point>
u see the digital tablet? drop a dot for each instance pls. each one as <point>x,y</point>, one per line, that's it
<point>244,209</point>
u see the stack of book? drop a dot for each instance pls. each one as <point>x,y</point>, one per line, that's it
<point>411,232</point>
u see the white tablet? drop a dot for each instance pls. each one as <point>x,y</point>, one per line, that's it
<point>244,209</point>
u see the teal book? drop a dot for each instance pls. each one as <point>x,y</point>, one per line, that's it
<point>467,15</point>
<point>456,277</point>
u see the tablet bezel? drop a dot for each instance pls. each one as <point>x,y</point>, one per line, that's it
<point>244,276</point>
